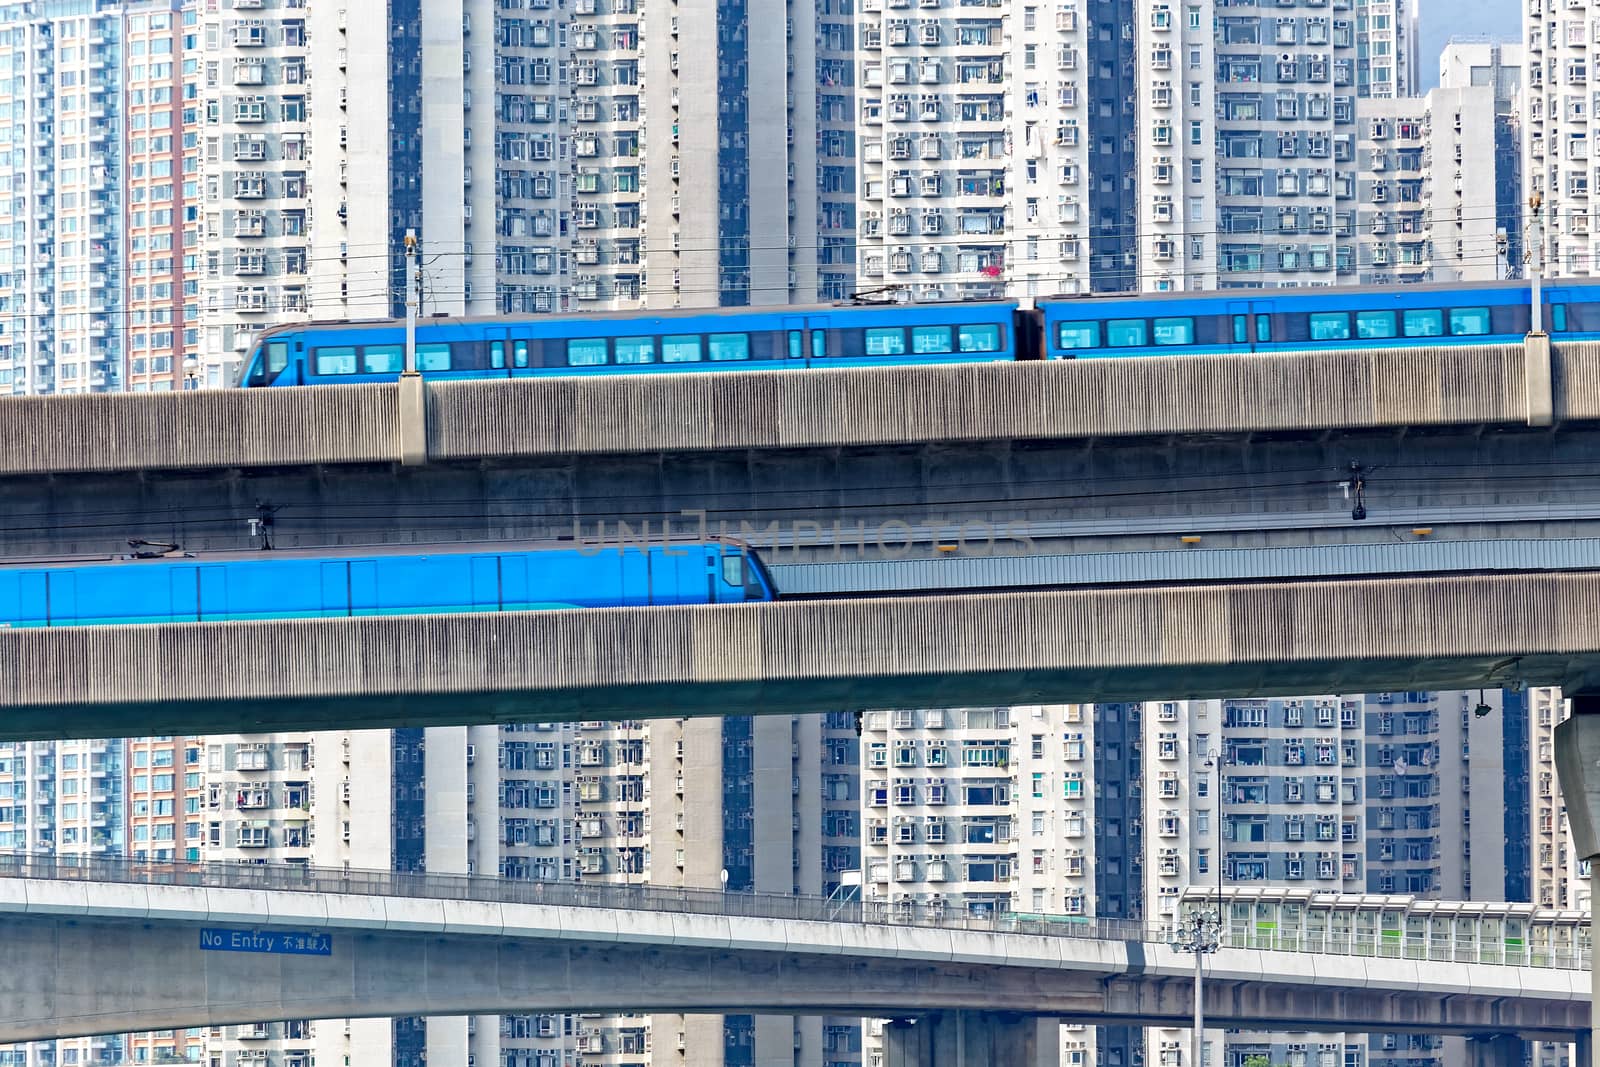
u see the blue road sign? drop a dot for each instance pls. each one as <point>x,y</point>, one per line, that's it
<point>279,942</point>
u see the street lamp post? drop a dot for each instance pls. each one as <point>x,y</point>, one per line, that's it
<point>1200,931</point>
<point>191,373</point>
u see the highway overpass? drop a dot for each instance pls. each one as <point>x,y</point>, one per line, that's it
<point>1103,644</point>
<point>126,951</point>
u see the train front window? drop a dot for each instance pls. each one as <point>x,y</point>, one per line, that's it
<point>1374,324</point>
<point>1424,323</point>
<point>1469,322</point>
<point>433,357</point>
<point>683,348</point>
<point>383,359</point>
<point>335,360</point>
<point>886,341</point>
<point>1173,331</point>
<point>1125,333</point>
<point>1330,326</point>
<point>636,350</point>
<point>979,337</point>
<point>930,339</point>
<point>588,352</point>
<point>277,356</point>
<point>733,568</point>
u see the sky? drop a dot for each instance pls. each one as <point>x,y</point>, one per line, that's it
<point>1443,19</point>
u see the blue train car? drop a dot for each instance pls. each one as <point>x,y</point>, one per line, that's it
<point>296,585</point>
<point>1281,320</point>
<point>716,339</point>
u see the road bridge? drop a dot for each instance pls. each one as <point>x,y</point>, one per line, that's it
<point>140,947</point>
<point>1102,644</point>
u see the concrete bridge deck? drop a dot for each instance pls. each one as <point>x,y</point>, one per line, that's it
<point>1102,644</point>
<point>1483,385</point>
<point>135,947</point>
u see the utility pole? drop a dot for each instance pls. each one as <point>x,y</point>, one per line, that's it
<point>1536,260</point>
<point>413,300</point>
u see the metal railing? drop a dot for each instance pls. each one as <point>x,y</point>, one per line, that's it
<point>301,878</point>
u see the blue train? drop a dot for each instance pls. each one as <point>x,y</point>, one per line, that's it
<point>301,585</point>
<point>1233,322</point>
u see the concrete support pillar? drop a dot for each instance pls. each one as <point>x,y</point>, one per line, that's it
<point>444,767</point>
<point>972,1039</point>
<point>1496,1050</point>
<point>1583,1051</point>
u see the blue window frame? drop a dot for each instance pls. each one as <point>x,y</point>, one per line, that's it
<point>433,357</point>
<point>1469,322</point>
<point>339,359</point>
<point>1374,324</point>
<point>1078,335</point>
<point>1330,326</point>
<point>1173,331</point>
<point>383,359</point>
<point>680,348</point>
<point>636,349</point>
<point>586,352</point>
<point>979,337</point>
<point>1427,322</point>
<point>1125,333</point>
<point>885,341</point>
<point>931,339</point>
<point>726,346</point>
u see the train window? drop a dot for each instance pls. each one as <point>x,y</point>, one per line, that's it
<point>519,353</point>
<point>341,360</point>
<point>1558,318</point>
<point>930,339</point>
<point>819,344</point>
<point>683,348</point>
<point>383,359</point>
<point>433,357</point>
<point>733,569</point>
<point>636,349</point>
<point>1125,333</point>
<point>1330,326</point>
<point>1240,325</point>
<point>1078,335</point>
<point>1173,331</point>
<point>588,352</point>
<point>797,344</point>
<point>497,354</point>
<point>1263,327</point>
<point>979,337</point>
<point>1465,322</point>
<point>1374,324</point>
<point>278,354</point>
<point>885,341</point>
<point>1425,323</point>
<point>724,346</point>
<point>766,344</point>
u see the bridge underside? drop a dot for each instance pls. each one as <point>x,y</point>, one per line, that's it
<point>68,978</point>
<point>1103,644</point>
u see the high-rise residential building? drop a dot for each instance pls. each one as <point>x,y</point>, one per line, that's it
<point>95,108</point>
<point>1556,113</point>
<point>1467,63</point>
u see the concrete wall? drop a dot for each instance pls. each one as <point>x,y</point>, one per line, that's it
<point>1065,646</point>
<point>780,409</point>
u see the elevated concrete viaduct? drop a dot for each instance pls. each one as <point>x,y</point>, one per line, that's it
<point>1015,648</point>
